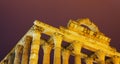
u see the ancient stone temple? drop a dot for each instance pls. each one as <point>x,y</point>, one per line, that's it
<point>81,33</point>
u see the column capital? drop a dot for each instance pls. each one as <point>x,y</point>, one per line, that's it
<point>45,44</point>
<point>101,56</point>
<point>27,38</point>
<point>37,28</point>
<point>47,47</point>
<point>76,44</point>
<point>100,53</point>
<point>77,47</point>
<point>57,37</point>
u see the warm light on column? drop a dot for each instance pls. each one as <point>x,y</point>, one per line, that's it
<point>77,51</point>
<point>47,49</point>
<point>65,56</point>
<point>35,46</point>
<point>25,56</point>
<point>11,58</point>
<point>18,54</point>
<point>57,48</point>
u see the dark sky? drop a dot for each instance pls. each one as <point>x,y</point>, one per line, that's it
<point>17,16</point>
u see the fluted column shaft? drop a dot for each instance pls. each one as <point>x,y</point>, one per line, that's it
<point>77,51</point>
<point>47,49</point>
<point>18,54</point>
<point>35,46</point>
<point>25,56</point>
<point>65,56</point>
<point>57,48</point>
<point>77,59</point>
<point>11,58</point>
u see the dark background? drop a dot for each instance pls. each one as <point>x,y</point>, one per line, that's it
<point>17,16</point>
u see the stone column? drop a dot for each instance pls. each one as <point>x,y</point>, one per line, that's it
<point>11,58</point>
<point>77,51</point>
<point>57,48</point>
<point>65,56</point>
<point>5,61</point>
<point>116,60</point>
<point>18,54</point>
<point>35,46</point>
<point>47,49</point>
<point>89,60</point>
<point>25,56</point>
<point>101,57</point>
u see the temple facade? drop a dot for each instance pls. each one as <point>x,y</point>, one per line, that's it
<point>80,34</point>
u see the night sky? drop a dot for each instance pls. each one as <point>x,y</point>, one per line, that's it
<point>17,16</point>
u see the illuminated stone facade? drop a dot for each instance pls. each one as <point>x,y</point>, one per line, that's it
<point>81,33</point>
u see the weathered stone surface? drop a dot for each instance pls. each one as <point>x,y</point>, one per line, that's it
<point>81,33</point>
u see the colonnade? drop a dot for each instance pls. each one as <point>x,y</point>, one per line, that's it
<point>26,51</point>
<point>29,52</point>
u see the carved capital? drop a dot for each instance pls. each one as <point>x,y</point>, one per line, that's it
<point>57,37</point>
<point>37,28</point>
<point>47,48</point>
<point>77,47</point>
